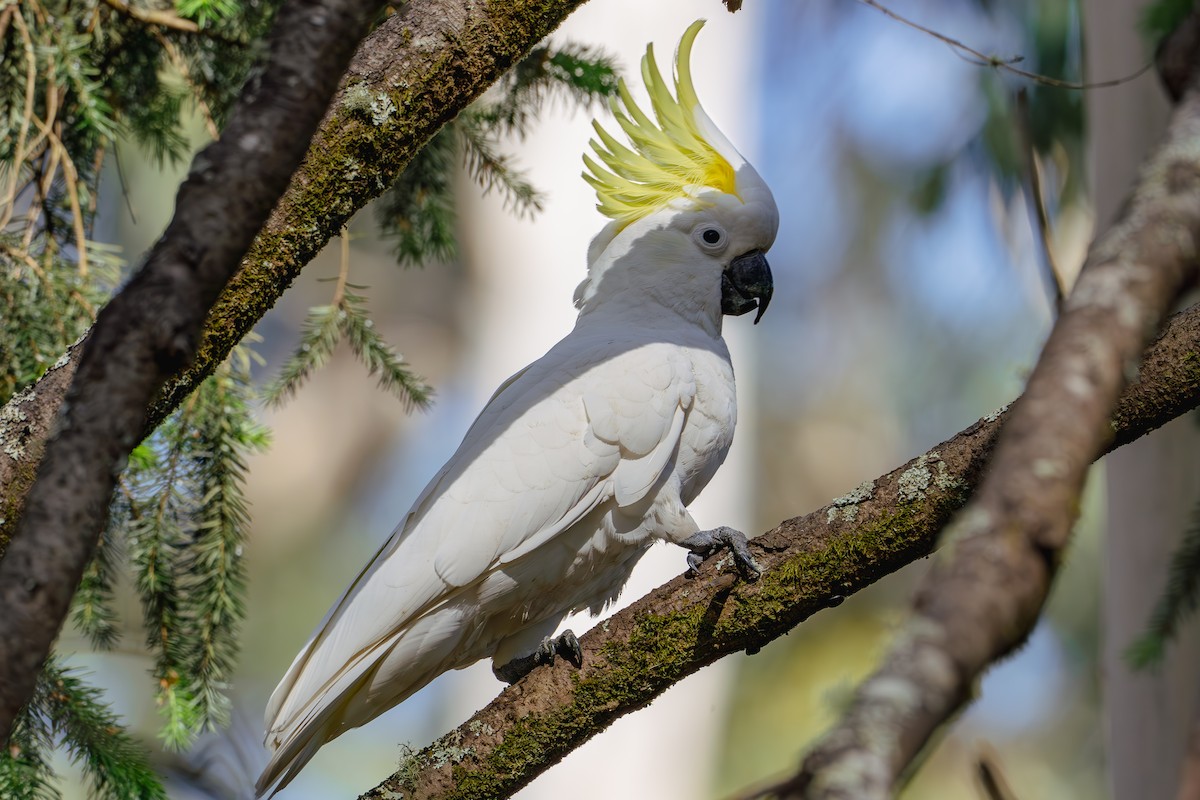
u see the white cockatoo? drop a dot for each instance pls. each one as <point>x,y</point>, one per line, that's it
<point>579,462</point>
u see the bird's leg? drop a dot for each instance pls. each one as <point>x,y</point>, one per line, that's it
<point>566,645</point>
<point>708,543</point>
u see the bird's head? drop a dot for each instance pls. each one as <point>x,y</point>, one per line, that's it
<point>691,218</point>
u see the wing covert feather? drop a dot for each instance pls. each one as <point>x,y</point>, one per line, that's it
<point>566,434</point>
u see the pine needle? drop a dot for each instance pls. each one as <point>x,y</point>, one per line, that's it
<point>1177,602</point>
<point>492,170</point>
<point>92,607</point>
<point>317,342</point>
<point>417,212</point>
<point>379,358</point>
<point>326,327</point>
<point>65,708</point>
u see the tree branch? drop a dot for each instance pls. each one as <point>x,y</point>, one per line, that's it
<point>418,69</point>
<point>150,330</point>
<point>981,599</point>
<point>811,563</point>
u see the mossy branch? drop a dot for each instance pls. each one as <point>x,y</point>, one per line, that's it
<point>811,563</point>
<point>422,66</point>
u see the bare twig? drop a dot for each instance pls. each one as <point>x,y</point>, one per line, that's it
<point>22,255</point>
<point>1037,199</point>
<point>5,19</point>
<point>39,209</point>
<point>94,195</point>
<point>181,67</point>
<point>151,16</point>
<point>124,185</point>
<point>339,289</point>
<point>71,184</point>
<point>990,776</point>
<point>7,201</point>
<point>1006,64</point>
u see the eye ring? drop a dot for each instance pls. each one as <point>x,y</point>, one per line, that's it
<point>710,237</point>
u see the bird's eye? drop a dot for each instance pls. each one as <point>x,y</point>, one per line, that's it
<point>710,237</point>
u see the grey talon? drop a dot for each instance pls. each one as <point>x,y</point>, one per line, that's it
<point>707,543</point>
<point>567,646</point>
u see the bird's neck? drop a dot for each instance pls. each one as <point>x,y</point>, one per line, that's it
<point>653,287</point>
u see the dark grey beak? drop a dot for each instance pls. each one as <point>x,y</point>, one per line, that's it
<point>746,278</point>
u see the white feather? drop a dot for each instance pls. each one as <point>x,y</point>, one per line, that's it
<point>575,466</point>
<point>591,427</point>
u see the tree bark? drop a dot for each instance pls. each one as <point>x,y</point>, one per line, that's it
<point>150,330</point>
<point>811,563</point>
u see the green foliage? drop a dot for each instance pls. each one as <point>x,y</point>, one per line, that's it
<point>65,709</point>
<point>346,319</point>
<point>229,49</point>
<point>1163,16</point>
<point>207,12</point>
<point>574,72</point>
<point>91,609</point>
<point>491,169</point>
<point>45,304</point>
<point>418,210</point>
<point>1178,601</point>
<point>1052,124</point>
<point>184,515</point>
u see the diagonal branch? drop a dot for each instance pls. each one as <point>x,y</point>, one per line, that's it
<point>985,593</point>
<point>150,329</point>
<point>419,68</point>
<point>810,562</point>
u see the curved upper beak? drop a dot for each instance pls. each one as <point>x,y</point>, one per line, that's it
<point>746,284</point>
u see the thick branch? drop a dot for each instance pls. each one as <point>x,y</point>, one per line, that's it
<point>150,329</point>
<point>415,72</point>
<point>811,563</point>
<point>983,597</point>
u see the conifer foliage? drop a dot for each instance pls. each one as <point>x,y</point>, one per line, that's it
<point>77,77</point>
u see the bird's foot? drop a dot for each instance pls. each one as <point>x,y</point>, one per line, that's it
<point>565,645</point>
<point>708,543</point>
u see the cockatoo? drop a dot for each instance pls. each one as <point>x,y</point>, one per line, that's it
<point>579,462</point>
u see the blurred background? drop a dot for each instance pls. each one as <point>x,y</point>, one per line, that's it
<point>911,298</point>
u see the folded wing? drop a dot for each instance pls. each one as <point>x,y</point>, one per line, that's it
<point>581,427</point>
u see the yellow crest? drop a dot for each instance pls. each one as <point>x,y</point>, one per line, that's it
<point>668,161</point>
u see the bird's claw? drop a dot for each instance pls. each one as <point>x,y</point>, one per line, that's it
<point>707,543</point>
<point>565,645</point>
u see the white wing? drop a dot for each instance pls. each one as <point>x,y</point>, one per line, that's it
<point>591,422</point>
